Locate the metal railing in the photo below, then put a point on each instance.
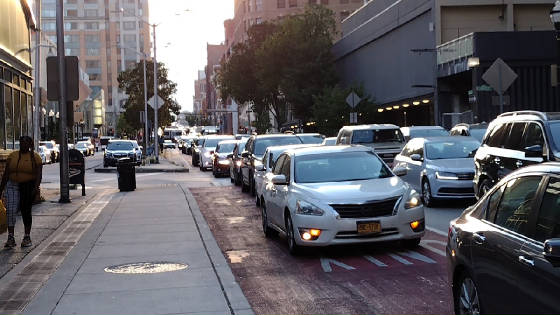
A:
(456, 49)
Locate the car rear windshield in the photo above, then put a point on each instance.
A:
(119, 146)
(377, 136)
(225, 148)
(478, 133)
(425, 133)
(555, 131)
(339, 167)
(311, 139)
(213, 142)
(262, 144)
(451, 149)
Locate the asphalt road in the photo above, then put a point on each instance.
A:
(380, 278)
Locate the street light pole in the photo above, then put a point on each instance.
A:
(37, 96)
(145, 110)
(156, 105)
(64, 176)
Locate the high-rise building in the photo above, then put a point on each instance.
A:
(108, 36)
(199, 92)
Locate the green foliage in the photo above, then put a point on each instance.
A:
(124, 128)
(331, 111)
(131, 82)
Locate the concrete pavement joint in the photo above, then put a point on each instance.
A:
(228, 291)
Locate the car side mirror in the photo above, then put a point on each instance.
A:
(279, 180)
(259, 168)
(245, 154)
(400, 171)
(416, 157)
(230, 156)
(534, 151)
(552, 251)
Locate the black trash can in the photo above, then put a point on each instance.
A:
(126, 173)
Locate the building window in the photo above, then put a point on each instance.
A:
(8, 117)
(129, 38)
(94, 76)
(71, 1)
(258, 20)
(259, 5)
(92, 38)
(92, 51)
(129, 25)
(48, 13)
(292, 3)
(90, 1)
(90, 12)
(92, 25)
(71, 13)
(17, 117)
(49, 26)
(68, 26)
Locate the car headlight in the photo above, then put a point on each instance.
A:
(306, 208)
(223, 162)
(108, 154)
(207, 154)
(413, 200)
(238, 163)
(446, 176)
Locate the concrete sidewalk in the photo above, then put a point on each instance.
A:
(152, 224)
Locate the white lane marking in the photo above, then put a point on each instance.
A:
(425, 244)
(440, 232)
(326, 264)
(417, 256)
(377, 262)
(400, 259)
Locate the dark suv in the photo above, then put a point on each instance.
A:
(514, 140)
(503, 253)
(254, 152)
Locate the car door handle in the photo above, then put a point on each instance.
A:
(479, 238)
(518, 163)
(526, 261)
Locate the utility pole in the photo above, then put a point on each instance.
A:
(63, 136)
(156, 105)
(37, 96)
(145, 109)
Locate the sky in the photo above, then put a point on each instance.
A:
(181, 39)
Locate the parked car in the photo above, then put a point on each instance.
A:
(208, 149)
(236, 161)
(503, 253)
(118, 149)
(137, 151)
(254, 152)
(423, 132)
(515, 140)
(51, 145)
(195, 150)
(476, 131)
(439, 167)
(185, 144)
(311, 138)
(45, 154)
(386, 139)
(335, 195)
(220, 159)
(269, 159)
(82, 147)
(169, 144)
(329, 141)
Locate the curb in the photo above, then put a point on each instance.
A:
(145, 170)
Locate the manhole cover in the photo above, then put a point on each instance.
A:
(146, 267)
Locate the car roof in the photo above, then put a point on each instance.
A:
(448, 138)
(309, 134)
(228, 141)
(219, 136)
(529, 114)
(481, 125)
(276, 135)
(371, 126)
(328, 149)
(422, 127)
(282, 148)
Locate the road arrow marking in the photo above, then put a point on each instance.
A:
(417, 256)
(377, 262)
(400, 259)
(326, 264)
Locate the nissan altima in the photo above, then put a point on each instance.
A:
(322, 196)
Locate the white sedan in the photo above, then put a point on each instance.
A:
(333, 195)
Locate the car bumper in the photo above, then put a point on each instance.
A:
(205, 162)
(221, 168)
(112, 161)
(344, 231)
(451, 189)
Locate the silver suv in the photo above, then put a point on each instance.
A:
(387, 140)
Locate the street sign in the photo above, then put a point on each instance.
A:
(499, 76)
(354, 118)
(353, 99)
(152, 101)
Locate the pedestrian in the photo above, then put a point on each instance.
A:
(21, 180)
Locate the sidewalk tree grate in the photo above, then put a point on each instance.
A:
(146, 267)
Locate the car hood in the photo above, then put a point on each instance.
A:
(384, 145)
(120, 152)
(465, 165)
(355, 191)
(208, 149)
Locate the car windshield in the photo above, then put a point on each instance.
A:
(119, 146)
(81, 145)
(425, 133)
(311, 139)
(377, 136)
(213, 142)
(49, 145)
(478, 133)
(339, 167)
(225, 148)
(451, 149)
(262, 144)
(555, 131)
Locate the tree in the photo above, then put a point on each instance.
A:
(124, 128)
(131, 82)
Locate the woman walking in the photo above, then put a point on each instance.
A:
(21, 180)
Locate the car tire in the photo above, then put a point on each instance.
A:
(268, 232)
(253, 188)
(427, 193)
(411, 243)
(293, 247)
(465, 296)
(484, 187)
(244, 188)
(257, 201)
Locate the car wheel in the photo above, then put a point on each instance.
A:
(257, 201)
(253, 188)
(214, 173)
(485, 186)
(231, 179)
(244, 188)
(293, 247)
(268, 232)
(465, 296)
(427, 193)
(411, 243)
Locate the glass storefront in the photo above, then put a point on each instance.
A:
(16, 105)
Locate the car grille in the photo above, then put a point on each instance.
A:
(120, 155)
(380, 208)
(354, 234)
(465, 176)
(456, 191)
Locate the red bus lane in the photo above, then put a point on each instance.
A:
(365, 279)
